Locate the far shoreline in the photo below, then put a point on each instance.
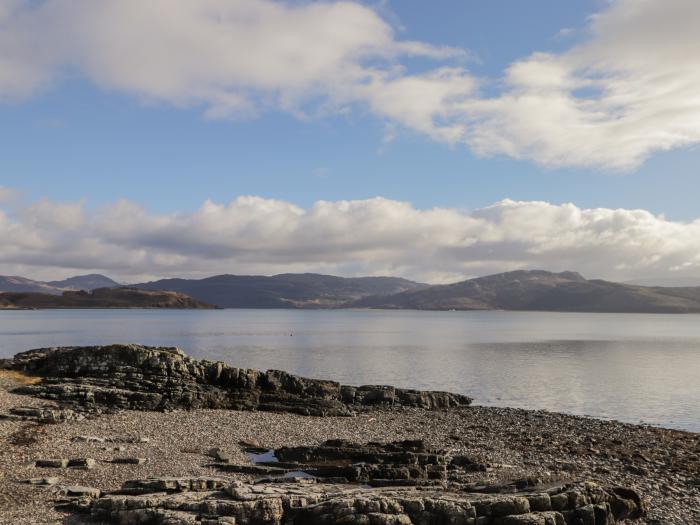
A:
(339, 309)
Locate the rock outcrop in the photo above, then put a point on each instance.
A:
(95, 378)
(402, 463)
(305, 502)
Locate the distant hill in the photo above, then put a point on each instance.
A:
(541, 290)
(22, 284)
(79, 282)
(85, 282)
(307, 290)
(673, 282)
(101, 298)
(518, 290)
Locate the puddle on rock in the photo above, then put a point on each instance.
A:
(267, 458)
(299, 474)
(262, 457)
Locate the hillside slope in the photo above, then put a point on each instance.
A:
(85, 282)
(14, 283)
(306, 290)
(76, 283)
(541, 290)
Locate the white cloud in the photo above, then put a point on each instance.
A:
(7, 194)
(228, 56)
(629, 89)
(374, 236)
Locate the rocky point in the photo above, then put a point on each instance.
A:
(157, 378)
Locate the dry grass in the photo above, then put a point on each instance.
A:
(19, 377)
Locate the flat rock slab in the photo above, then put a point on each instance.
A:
(83, 463)
(129, 461)
(51, 463)
(44, 414)
(78, 491)
(43, 481)
(155, 485)
(79, 463)
(401, 462)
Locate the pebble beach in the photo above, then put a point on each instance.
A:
(663, 465)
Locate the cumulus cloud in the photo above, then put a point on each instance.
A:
(629, 89)
(228, 56)
(362, 237)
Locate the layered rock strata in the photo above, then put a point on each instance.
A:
(304, 502)
(158, 378)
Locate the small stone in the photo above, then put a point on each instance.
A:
(88, 439)
(42, 481)
(129, 461)
(131, 439)
(219, 455)
(82, 463)
(126, 439)
(51, 463)
(78, 491)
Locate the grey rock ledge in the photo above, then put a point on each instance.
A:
(95, 378)
(211, 501)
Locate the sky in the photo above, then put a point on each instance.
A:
(431, 140)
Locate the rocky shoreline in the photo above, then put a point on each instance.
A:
(128, 434)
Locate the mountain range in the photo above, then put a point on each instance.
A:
(518, 290)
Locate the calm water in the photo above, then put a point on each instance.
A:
(628, 367)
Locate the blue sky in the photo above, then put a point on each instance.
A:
(447, 104)
(76, 140)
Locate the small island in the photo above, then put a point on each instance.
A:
(100, 298)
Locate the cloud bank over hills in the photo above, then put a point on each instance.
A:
(624, 90)
(255, 235)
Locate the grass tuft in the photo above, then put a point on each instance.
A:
(20, 377)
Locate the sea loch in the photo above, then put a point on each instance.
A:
(629, 367)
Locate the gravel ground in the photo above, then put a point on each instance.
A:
(664, 465)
